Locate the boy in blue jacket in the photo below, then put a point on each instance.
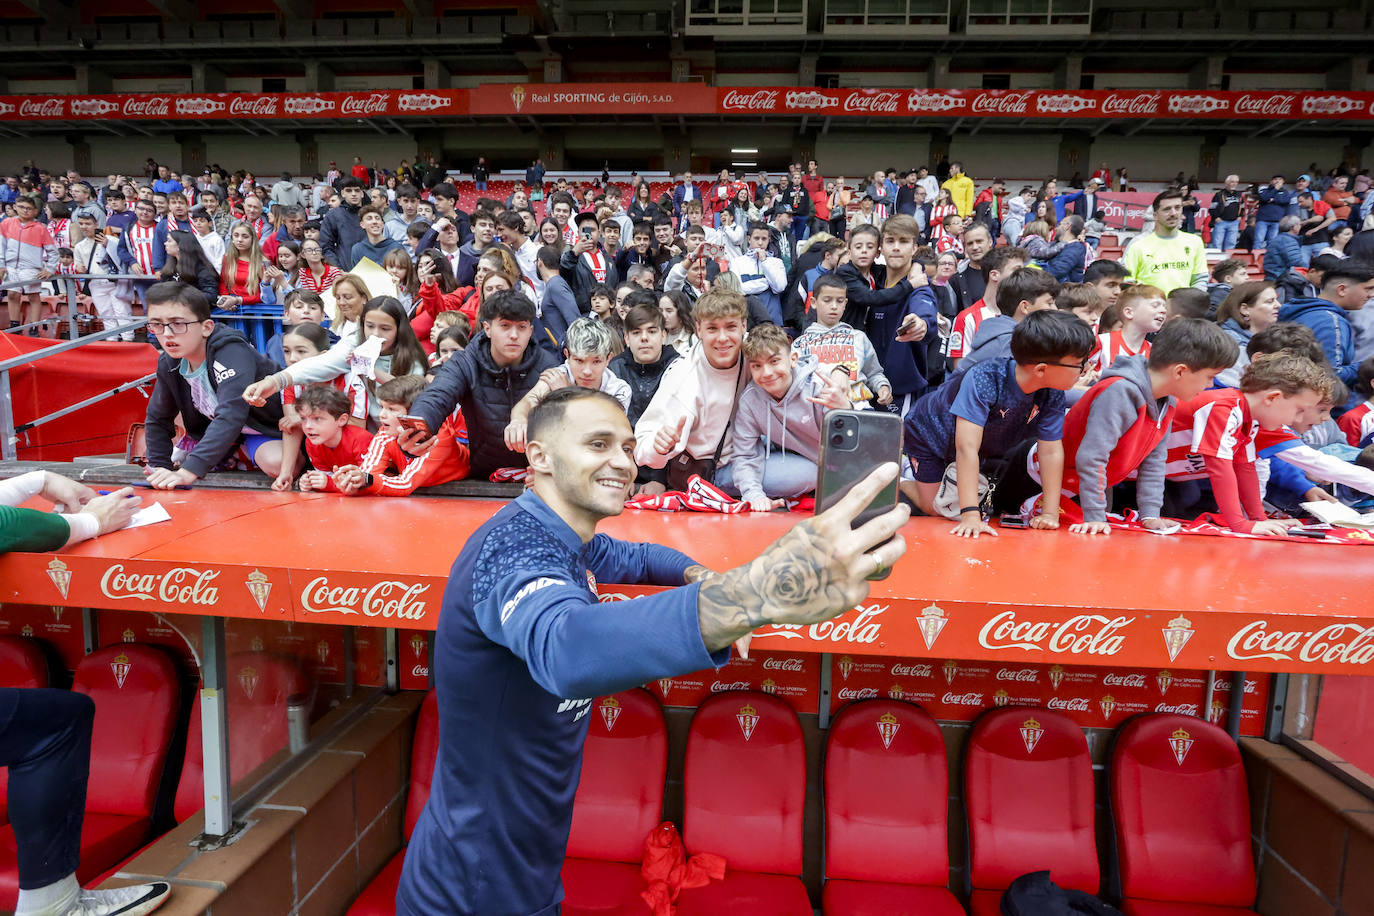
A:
(1344, 289)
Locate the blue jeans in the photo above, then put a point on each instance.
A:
(45, 740)
(1310, 251)
(801, 228)
(1264, 232)
(786, 475)
(481, 185)
(1224, 234)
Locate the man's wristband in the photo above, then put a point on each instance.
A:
(971, 509)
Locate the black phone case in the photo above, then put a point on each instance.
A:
(877, 440)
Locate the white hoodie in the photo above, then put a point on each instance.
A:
(691, 387)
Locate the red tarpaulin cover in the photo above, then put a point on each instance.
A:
(60, 381)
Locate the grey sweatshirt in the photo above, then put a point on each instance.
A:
(794, 424)
(993, 340)
(1111, 415)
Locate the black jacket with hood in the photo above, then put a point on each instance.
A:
(339, 232)
(231, 366)
(487, 393)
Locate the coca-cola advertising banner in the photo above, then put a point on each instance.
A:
(694, 99)
(1047, 103)
(381, 103)
(791, 676)
(957, 690)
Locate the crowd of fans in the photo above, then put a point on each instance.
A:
(1035, 377)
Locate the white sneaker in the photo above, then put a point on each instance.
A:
(135, 900)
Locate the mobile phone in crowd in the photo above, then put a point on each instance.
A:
(853, 444)
(413, 422)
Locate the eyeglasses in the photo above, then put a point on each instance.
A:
(1079, 367)
(175, 326)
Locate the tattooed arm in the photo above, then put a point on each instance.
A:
(814, 572)
(696, 573)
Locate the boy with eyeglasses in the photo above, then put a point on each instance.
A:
(201, 375)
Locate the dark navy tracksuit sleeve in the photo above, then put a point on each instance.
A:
(577, 647)
(635, 563)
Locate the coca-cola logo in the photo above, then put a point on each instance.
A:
(389, 598)
(1135, 103)
(373, 103)
(1274, 104)
(809, 100)
(872, 102)
(758, 100)
(900, 670)
(42, 108)
(1123, 680)
(153, 106)
(852, 693)
(919, 101)
(1063, 103)
(1084, 634)
(1002, 103)
(1330, 104)
(962, 699)
(782, 664)
(862, 628)
(1180, 709)
(261, 106)
(1068, 704)
(1339, 643)
(1020, 675)
(1224, 686)
(724, 686)
(420, 671)
(178, 585)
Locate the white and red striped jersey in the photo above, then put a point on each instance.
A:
(446, 461)
(1215, 424)
(61, 232)
(569, 233)
(596, 261)
(1358, 423)
(140, 241)
(1109, 347)
(966, 327)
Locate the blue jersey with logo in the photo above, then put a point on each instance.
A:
(522, 648)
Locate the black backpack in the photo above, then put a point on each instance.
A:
(1036, 895)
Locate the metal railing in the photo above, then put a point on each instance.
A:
(9, 433)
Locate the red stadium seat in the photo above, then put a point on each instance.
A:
(1110, 239)
(886, 848)
(744, 782)
(259, 685)
(1182, 819)
(1028, 790)
(619, 802)
(135, 692)
(379, 897)
(21, 665)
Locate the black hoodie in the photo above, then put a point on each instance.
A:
(487, 393)
(339, 232)
(231, 365)
(643, 378)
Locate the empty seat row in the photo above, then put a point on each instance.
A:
(137, 697)
(1178, 798)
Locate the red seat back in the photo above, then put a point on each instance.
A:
(886, 795)
(1028, 791)
(1181, 812)
(135, 692)
(22, 663)
(745, 783)
(423, 752)
(258, 687)
(620, 796)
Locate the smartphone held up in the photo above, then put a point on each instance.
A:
(853, 444)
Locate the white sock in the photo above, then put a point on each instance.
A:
(51, 900)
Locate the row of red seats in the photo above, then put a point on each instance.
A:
(1178, 800)
(137, 698)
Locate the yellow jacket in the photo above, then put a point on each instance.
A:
(961, 189)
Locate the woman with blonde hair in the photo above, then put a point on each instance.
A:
(241, 274)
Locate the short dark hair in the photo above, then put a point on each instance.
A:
(638, 296)
(325, 398)
(548, 413)
(173, 292)
(403, 389)
(309, 330)
(1186, 302)
(406, 190)
(1228, 266)
(349, 182)
(1166, 194)
(509, 219)
(1025, 284)
(512, 305)
(828, 281)
(1364, 379)
(1048, 336)
(444, 190)
(548, 257)
(997, 258)
(601, 290)
(1287, 335)
(1349, 273)
(1105, 269)
(640, 314)
(486, 215)
(1194, 342)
